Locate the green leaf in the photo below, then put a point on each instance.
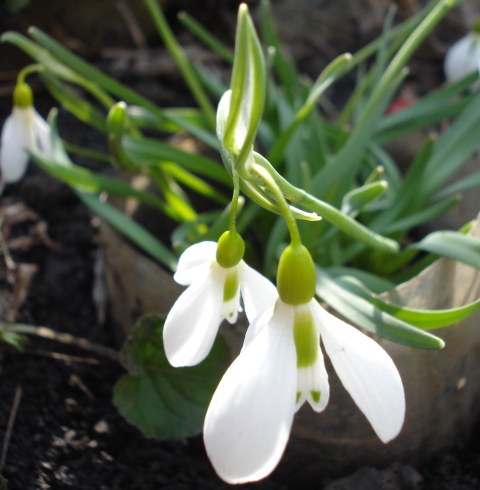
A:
(131, 229)
(74, 103)
(150, 152)
(12, 339)
(163, 401)
(425, 319)
(364, 314)
(456, 246)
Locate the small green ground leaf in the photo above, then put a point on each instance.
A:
(3, 483)
(12, 339)
(163, 401)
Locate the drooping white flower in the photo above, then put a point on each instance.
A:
(213, 295)
(462, 58)
(248, 422)
(281, 366)
(23, 129)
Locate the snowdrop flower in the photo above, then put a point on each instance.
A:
(217, 276)
(462, 58)
(281, 366)
(23, 129)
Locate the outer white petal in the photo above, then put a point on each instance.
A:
(258, 324)
(258, 292)
(367, 373)
(250, 416)
(462, 58)
(192, 323)
(17, 134)
(195, 262)
(43, 133)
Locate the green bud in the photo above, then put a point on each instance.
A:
(116, 118)
(296, 276)
(305, 337)
(230, 250)
(22, 96)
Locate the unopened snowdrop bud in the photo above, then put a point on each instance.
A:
(23, 129)
(116, 118)
(463, 57)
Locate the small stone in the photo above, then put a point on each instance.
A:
(101, 427)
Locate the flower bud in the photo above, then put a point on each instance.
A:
(230, 250)
(116, 118)
(296, 275)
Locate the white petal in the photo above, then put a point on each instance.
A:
(17, 134)
(258, 292)
(259, 323)
(367, 373)
(192, 323)
(462, 58)
(248, 422)
(194, 263)
(43, 133)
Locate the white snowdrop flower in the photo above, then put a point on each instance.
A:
(281, 366)
(23, 129)
(216, 276)
(462, 58)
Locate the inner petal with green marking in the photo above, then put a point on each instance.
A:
(231, 295)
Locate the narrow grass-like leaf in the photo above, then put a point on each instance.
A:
(150, 152)
(454, 245)
(206, 37)
(362, 313)
(424, 319)
(131, 229)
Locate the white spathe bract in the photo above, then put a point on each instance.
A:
(462, 58)
(23, 129)
(192, 323)
(250, 416)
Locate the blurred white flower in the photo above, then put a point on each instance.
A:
(23, 129)
(214, 295)
(462, 58)
(248, 422)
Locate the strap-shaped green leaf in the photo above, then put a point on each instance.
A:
(367, 316)
(454, 245)
(425, 319)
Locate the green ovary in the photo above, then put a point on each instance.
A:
(22, 96)
(305, 337)
(231, 285)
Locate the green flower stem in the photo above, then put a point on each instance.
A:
(181, 60)
(346, 223)
(233, 208)
(36, 67)
(284, 207)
